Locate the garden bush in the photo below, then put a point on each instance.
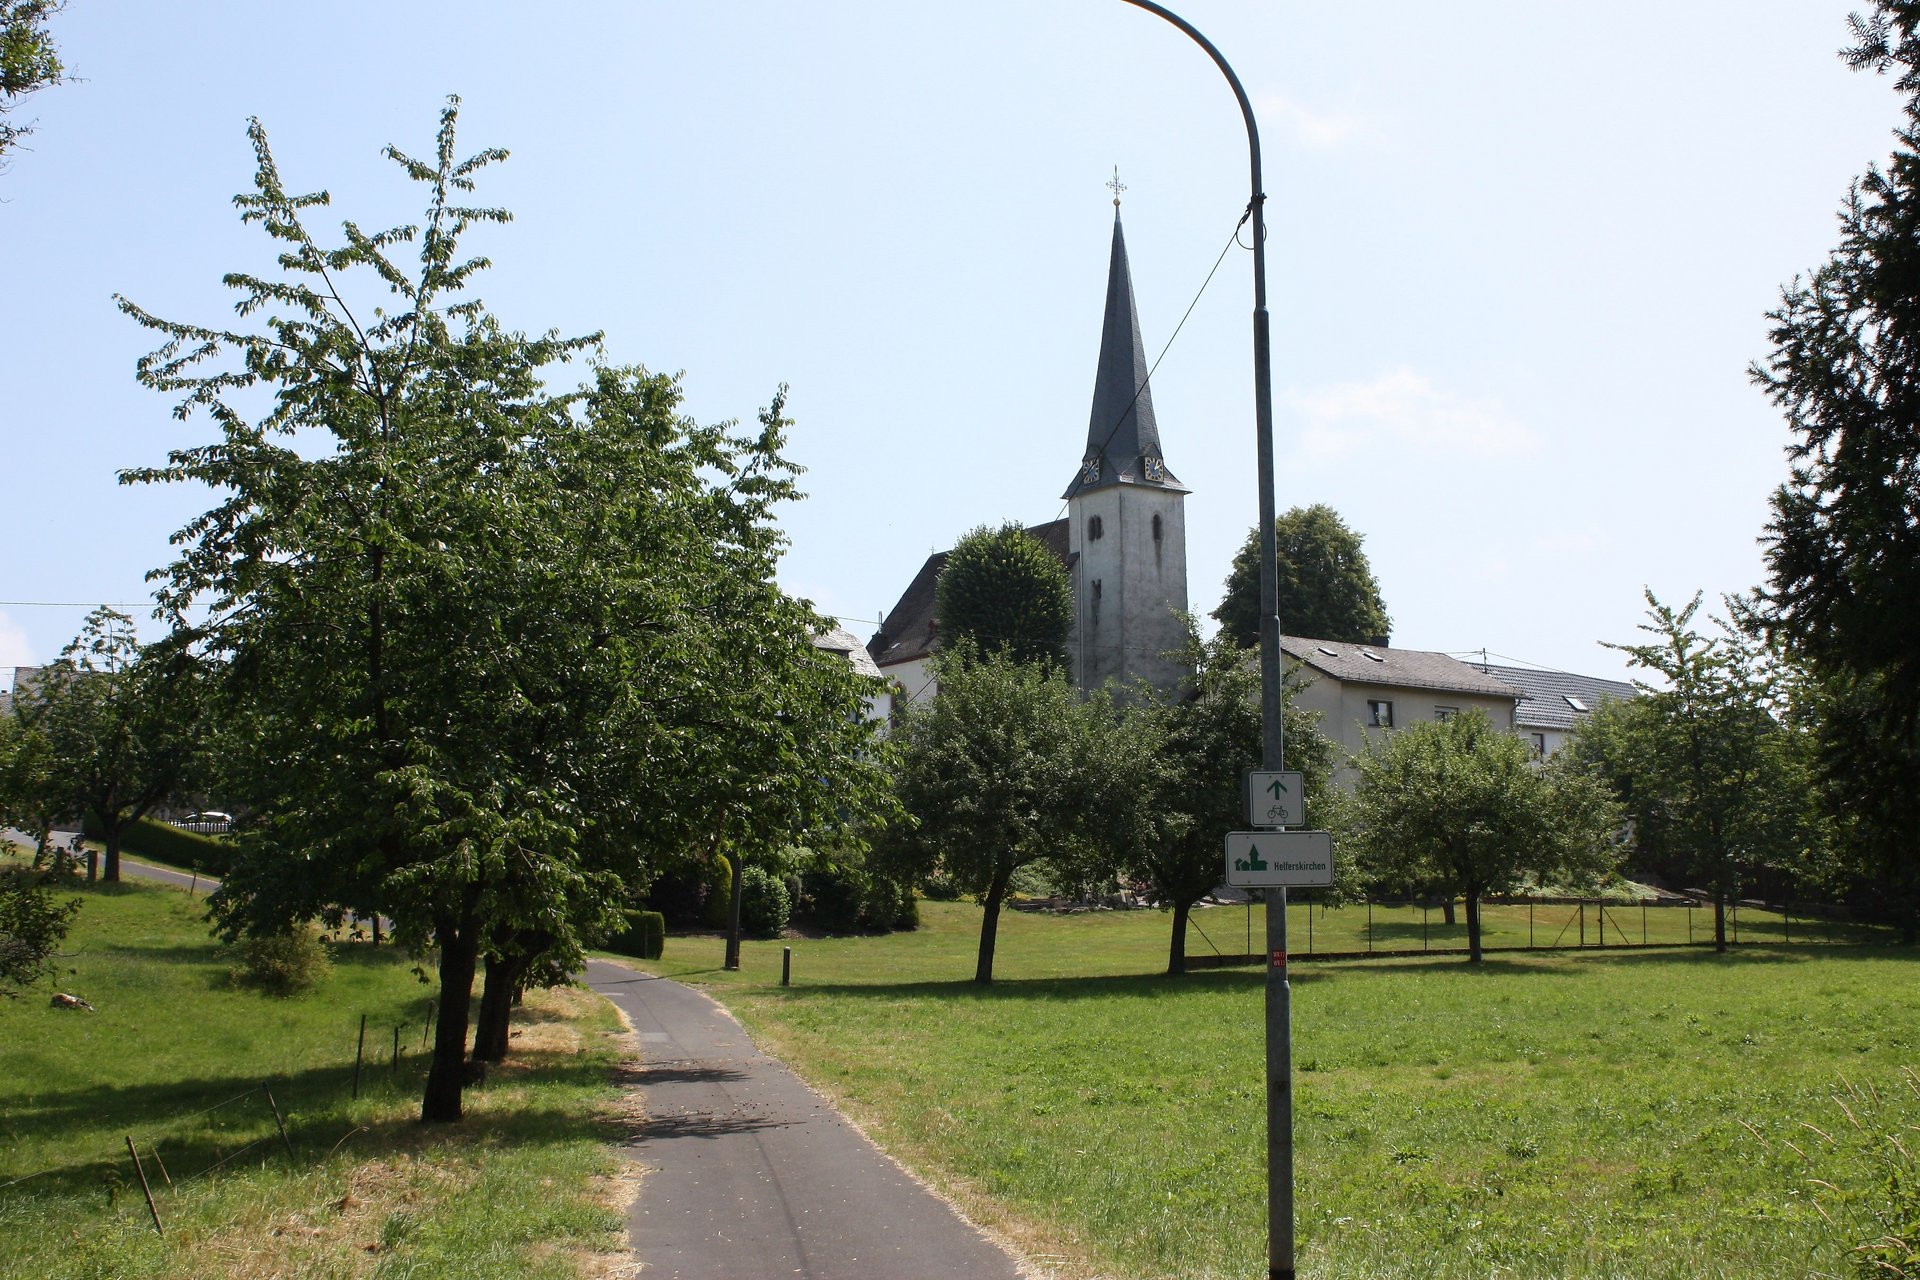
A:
(645, 936)
(719, 891)
(765, 906)
(282, 964)
(845, 897)
(164, 842)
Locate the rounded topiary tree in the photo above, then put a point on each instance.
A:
(1005, 591)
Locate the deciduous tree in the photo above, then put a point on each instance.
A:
(1716, 783)
(1327, 588)
(119, 721)
(489, 647)
(1174, 767)
(1002, 589)
(28, 61)
(1459, 807)
(995, 774)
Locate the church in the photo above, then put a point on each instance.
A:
(1123, 541)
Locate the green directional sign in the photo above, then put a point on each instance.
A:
(1276, 798)
(1279, 859)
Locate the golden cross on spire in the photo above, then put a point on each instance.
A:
(1116, 186)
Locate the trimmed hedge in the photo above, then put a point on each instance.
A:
(164, 842)
(645, 936)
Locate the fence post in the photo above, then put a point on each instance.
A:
(393, 1067)
(1309, 928)
(786, 966)
(1529, 922)
(359, 1052)
(1643, 922)
(1369, 925)
(1583, 923)
(1786, 922)
(144, 1188)
(155, 1148)
(278, 1122)
(1423, 926)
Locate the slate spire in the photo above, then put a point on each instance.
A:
(1123, 440)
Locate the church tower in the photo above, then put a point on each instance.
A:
(1126, 516)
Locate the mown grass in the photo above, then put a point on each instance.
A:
(368, 1191)
(1623, 1114)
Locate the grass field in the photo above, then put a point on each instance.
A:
(367, 1191)
(1607, 1114)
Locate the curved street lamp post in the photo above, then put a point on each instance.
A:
(1272, 746)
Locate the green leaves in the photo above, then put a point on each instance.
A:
(1461, 808)
(1003, 590)
(1327, 588)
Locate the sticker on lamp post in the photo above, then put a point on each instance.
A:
(1279, 859)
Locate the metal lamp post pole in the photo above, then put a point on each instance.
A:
(1272, 737)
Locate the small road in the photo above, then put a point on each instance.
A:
(128, 867)
(753, 1176)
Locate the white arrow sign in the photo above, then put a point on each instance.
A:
(1279, 859)
(1276, 798)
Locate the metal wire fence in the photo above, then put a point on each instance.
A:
(1402, 928)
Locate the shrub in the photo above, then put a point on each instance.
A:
(645, 936)
(764, 904)
(846, 897)
(164, 842)
(281, 964)
(719, 891)
(32, 924)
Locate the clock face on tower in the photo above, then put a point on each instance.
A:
(1155, 468)
(1090, 471)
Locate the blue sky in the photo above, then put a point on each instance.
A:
(1519, 263)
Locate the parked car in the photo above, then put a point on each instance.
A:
(209, 822)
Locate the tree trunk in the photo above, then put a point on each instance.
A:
(1177, 947)
(989, 927)
(459, 957)
(491, 1029)
(1719, 921)
(1446, 909)
(1474, 954)
(733, 912)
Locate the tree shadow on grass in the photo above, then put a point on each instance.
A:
(1099, 987)
(207, 1124)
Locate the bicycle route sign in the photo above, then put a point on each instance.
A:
(1276, 798)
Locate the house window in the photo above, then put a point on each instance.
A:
(1539, 745)
(1094, 529)
(1445, 713)
(1574, 702)
(1379, 714)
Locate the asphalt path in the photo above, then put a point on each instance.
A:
(128, 867)
(750, 1175)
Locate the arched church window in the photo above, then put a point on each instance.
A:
(1094, 529)
(1156, 526)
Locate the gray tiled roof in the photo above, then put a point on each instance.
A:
(1544, 704)
(909, 631)
(843, 642)
(1404, 668)
(1121, 431)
